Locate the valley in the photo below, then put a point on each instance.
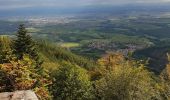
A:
(94, 37)
(85, 49)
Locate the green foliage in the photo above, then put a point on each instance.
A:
(125, 80)
(24, 44)
(71, 83)
(165, 80)
(22, 75)
(20, 72)
(116, 78)
(52, 53)
(5, 49)
(156, 55)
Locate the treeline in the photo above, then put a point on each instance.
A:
(58, 54)
(24, 65)
(20, 66)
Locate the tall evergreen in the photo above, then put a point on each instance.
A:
(25, 45)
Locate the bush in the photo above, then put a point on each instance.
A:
(71, 83)
(22, 75)
(125, 80)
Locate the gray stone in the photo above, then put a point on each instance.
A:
(18, 95)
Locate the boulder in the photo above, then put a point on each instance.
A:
(18, 95)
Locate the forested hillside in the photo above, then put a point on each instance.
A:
(55, 73)
(85, 49)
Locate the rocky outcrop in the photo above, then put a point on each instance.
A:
(18, 95)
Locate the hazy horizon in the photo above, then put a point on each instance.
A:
(13, 8)
(15, 4)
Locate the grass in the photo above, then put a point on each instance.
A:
(33, 30)
(69, 45)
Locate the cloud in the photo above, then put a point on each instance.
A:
(11, 4)
(129, 1)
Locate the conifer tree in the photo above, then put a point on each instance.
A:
(25, 45)
(23, 42)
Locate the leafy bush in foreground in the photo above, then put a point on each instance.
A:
(71, 83)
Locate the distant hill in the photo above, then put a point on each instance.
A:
(86, 10)
(157, 57)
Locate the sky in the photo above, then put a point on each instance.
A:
(13, 4)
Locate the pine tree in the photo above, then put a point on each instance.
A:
(25, 45)
(23, 42)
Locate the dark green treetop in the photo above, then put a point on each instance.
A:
(24, 44)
